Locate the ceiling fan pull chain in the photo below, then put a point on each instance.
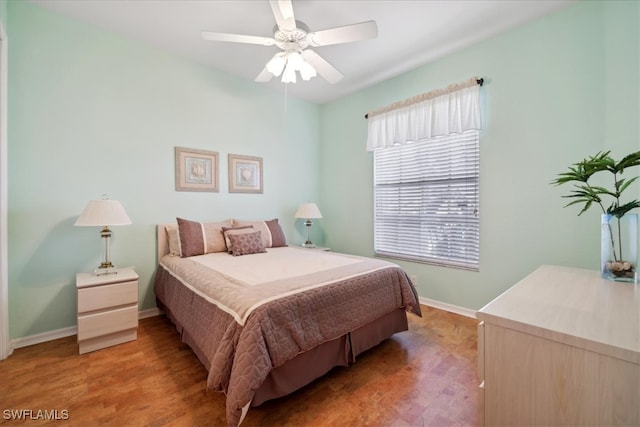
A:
(286, 86)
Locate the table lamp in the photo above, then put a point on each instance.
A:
(308, 211)
(104, 213)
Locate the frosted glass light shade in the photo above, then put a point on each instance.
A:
(289, 75)
(294, 60)
(307, 71)
(276, 64)
(308, 211)
(287, 63)
(102, 213)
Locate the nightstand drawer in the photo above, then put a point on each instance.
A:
(107, 296)
(97, 324)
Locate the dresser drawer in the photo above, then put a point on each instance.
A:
(107, 296)
(106, 322)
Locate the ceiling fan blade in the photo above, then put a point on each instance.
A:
(283, 12)
(264, 76)
(326, 70)
(346, 34)
(237, 38)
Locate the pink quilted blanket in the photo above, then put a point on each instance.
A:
(241, 331)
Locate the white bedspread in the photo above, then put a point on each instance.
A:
(239, 285)
(275, 264)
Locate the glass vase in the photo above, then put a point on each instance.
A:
(619, 247)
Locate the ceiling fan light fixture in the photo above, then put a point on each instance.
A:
(294, 60)
(289, 75)
(307, 71)
(276, 64)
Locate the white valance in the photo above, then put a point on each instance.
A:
(443, 112)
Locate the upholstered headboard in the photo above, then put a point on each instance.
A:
(163, 240)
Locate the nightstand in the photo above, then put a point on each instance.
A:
(107, 309)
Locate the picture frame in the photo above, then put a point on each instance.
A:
(245, 174)
(196, 170)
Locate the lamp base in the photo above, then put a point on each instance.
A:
(308, 244)
(105, 268)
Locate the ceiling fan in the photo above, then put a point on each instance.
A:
(295, 39)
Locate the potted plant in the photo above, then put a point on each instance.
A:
(619, 238)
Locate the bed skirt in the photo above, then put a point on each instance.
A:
(296, 372)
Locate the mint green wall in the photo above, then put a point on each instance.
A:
(557, 90)
(3, 12)
(90, 113)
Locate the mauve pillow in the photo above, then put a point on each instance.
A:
(199, 238)
(246, 243)
(277, 235)
(191, 238)
(228, 231)
(272, 235)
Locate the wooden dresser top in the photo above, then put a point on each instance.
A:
(574, 306)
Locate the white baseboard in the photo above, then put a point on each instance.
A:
(65, 332)
(149, 313)
(43, 337)
(73, 330)
(463, 311)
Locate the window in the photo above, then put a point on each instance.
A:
(426, 197)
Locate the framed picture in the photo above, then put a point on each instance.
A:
(245, 174)
(196, 170)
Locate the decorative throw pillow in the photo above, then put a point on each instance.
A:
(246, 243)
(272, 235)
(199, 238)
(174, 239)
(229, 231)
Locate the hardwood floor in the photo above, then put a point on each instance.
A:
(423, 377)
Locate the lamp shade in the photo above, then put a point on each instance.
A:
(102, 213)
(308, 210)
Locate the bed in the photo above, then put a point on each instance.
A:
(268, 321)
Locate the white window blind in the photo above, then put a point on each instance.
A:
(426, 197)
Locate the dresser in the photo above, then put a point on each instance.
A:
(561, 347)
(107, 309)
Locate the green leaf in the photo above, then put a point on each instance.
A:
(584, 209)
(602, 190)
(573, 175)
(628, 161)
(626, 184)
(586, 195)
(621, 210)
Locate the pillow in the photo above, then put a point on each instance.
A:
(272, 235)
(229, 231)
(246, 243)
(199, 238)
(173, 239)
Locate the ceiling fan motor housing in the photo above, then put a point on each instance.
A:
(294, 40)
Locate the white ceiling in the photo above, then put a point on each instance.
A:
(410, 33)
